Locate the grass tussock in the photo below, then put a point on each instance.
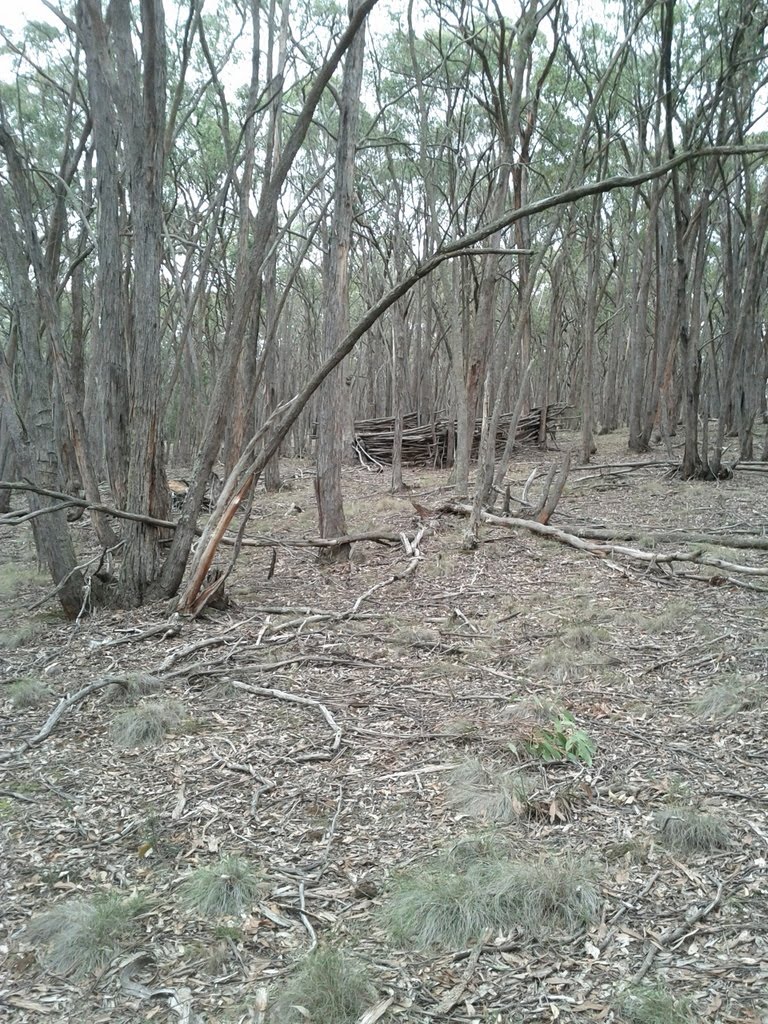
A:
(654, 1005)
(732, 693)
(329, 986)
(147, 724)
(448, 908)
(129, 688)
(673, 616)
(12, 638)
(82, 936)
(689, 830)
(224, 889)
(479, 792)
(13, 576)
(27, 693)
(584, 636)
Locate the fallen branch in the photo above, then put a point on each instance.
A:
(165, 629)
(70, 500)
(292, 698)
(747, 542)
(693, 916)
(411, 548)
(64, 705)
(609, 550)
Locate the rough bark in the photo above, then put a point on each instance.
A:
(331, 414)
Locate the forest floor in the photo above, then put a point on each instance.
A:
(352, 759)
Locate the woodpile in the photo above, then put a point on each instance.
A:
(431, 444)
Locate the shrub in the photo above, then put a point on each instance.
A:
(226, 888)
(82, 936)
(147, 724)
(561, 739)
(329, 987)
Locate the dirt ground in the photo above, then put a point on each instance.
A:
(332, 795)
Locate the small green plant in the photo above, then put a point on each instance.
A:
(329, 987)
(82, 936)
(27, 693)
(226, 888)
(147, 724)
(654, 1004)
(689, 830)
(561, 739)
(496, 796)
(450, 905)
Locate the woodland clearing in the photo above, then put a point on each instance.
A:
(329, 726)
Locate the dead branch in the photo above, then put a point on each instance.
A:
(747, 542)
(693, 916)
(411, 548)
(17, 518)
(64, 705)
(70, 500)
(165, 629)
(553, 490)
(610, 550)
(292, 698)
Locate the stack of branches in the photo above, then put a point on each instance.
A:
(430, 444)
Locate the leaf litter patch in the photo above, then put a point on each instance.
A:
(329, 832)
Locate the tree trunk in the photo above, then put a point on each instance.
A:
(330, 421)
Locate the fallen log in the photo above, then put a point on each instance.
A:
(608, 550)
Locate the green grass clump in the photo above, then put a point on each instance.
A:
(450, 908)
(689, 830)
(147, 724)
(496, 796)
(27, 693)
(654, 1005)
(84, 935)
(224, 889)
(329, 987)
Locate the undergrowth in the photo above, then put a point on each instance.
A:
(223, 889)
(329, 987)
(447, 907)
(27, 693)
(82, 936)
(127, 689)
(147, 724)
(732, 693)
(689, 830)
(654, 1004)
(496, 796)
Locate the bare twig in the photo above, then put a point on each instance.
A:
(64, 705)
(292, 698)
(693, 916)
